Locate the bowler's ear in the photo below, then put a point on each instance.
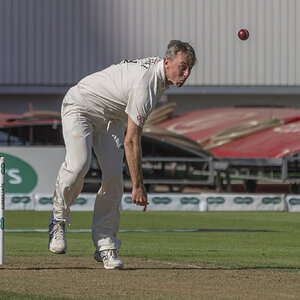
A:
(166, 61)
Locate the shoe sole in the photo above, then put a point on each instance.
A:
(57, 252)
(113, 268)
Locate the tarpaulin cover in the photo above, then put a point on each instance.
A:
(278, 141)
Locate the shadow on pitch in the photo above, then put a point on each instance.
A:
(209, 269)
(170, 268)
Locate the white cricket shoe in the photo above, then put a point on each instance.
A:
(57, 239)
(109, 258)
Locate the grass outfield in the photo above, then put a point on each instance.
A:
(229, 239)
(228, 255)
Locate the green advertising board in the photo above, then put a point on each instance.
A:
(20, 177)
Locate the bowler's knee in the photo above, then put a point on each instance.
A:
(74, 170)
(80, 168)
(112, 175)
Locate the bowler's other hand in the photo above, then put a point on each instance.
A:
(139, 197)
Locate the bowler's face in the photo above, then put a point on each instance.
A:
(178, 69)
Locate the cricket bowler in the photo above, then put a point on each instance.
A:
(93, 114)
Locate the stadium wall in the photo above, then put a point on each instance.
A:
(54, 43)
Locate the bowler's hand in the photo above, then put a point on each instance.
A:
(139, 197)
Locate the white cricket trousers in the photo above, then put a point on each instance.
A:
(83, 130)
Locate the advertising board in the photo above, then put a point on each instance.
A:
(31, 169)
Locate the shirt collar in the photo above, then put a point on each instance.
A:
(160, 73)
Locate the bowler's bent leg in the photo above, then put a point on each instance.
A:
(77, 131)
(78, 135)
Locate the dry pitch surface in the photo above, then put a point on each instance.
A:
(84, 278)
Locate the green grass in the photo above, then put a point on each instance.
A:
(20, 296)
(278, 249)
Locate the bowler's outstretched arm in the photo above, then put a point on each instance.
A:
(133, 152)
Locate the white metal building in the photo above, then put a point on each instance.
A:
(48, 45)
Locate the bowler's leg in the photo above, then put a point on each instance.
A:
(77, 131)
(106, 218)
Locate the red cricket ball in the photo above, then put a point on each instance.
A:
(243, 34)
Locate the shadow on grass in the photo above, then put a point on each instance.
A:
(211, 268)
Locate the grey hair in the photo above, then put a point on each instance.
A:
(176, 46)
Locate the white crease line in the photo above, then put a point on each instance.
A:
(174, 264)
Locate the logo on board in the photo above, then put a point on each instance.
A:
(20, 177)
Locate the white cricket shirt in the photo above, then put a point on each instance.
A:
(130, 88)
